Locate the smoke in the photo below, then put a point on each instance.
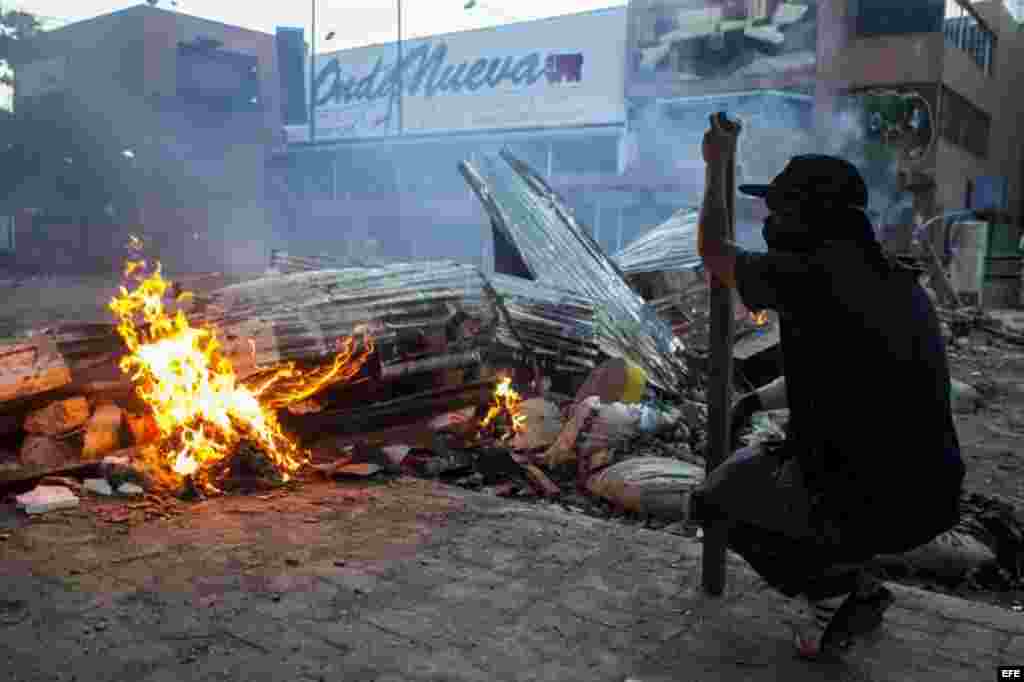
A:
(846, 136)
(777, 127)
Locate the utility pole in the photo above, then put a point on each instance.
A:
(312, 77)
(401, 85)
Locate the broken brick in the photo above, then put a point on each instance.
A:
(103, 431)
(58, 417)
(44, 451)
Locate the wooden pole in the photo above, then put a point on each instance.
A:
(719, 400)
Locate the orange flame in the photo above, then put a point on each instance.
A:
(760, 319)
(506, 400)
(202, 409)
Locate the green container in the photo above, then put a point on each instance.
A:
(1002, 241)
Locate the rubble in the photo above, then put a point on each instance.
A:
(595, 426)
(395, 455)
(98, 486)
(63, 482)
(543, 424)
(668, 247)
(45, 499)
(559, 252)
(357, 469)
(46, 452)
(103, 431)
(451, 419)
(30, 368)
(653, 486)
(616, 380)
(550, 326)
(58, 417)
(130, 490)
(540, 481)
(121, 464)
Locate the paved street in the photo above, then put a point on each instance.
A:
(415, 581)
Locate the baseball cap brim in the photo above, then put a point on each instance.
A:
(755, 190)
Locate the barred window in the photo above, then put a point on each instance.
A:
(898, 17)
(964, 124)
(964, 30)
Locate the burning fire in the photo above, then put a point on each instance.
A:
(203, 411)
(506, 401)
(760, 319)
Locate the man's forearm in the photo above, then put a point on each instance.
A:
(714, 212)
(713, 244)
(773, 395)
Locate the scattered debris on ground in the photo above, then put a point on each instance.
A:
(582, 387)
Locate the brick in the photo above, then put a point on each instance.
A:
(103, 432)
(58, 417)
(44, 451)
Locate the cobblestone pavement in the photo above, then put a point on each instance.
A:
(415, 581)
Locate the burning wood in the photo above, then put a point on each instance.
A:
(203, 411)
(504, 418)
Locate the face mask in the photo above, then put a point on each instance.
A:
(789, 233)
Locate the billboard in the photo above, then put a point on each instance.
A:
(680, 48)
(563, 71)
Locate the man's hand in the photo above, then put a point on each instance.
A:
(739, 418)
(719, 148)
(719, 145)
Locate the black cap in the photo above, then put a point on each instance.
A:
(817, 179)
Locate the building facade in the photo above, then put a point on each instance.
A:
(381, 177)
(173, 115)
(188, 128)
(964, 60)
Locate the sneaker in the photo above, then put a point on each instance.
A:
(860, 614)
(811, 625)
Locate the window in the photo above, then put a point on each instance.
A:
(888, 17)
(217, 79)
(6, 234)
(964, 124)
(964, 30)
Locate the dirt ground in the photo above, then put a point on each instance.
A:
(991, 437)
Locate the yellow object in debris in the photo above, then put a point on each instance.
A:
(636, 384)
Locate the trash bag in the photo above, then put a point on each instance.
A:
(656, 486)
(952, 555)
(596, 426)
(543, 424)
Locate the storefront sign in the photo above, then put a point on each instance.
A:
(553, 72)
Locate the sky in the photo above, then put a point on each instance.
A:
(354, 22)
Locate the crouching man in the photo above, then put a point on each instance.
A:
(871, 462)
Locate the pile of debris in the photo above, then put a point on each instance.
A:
(189, 391)
(582, 383)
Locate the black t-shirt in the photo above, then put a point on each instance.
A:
(867, 383)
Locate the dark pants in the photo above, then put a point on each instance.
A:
(762, 499)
